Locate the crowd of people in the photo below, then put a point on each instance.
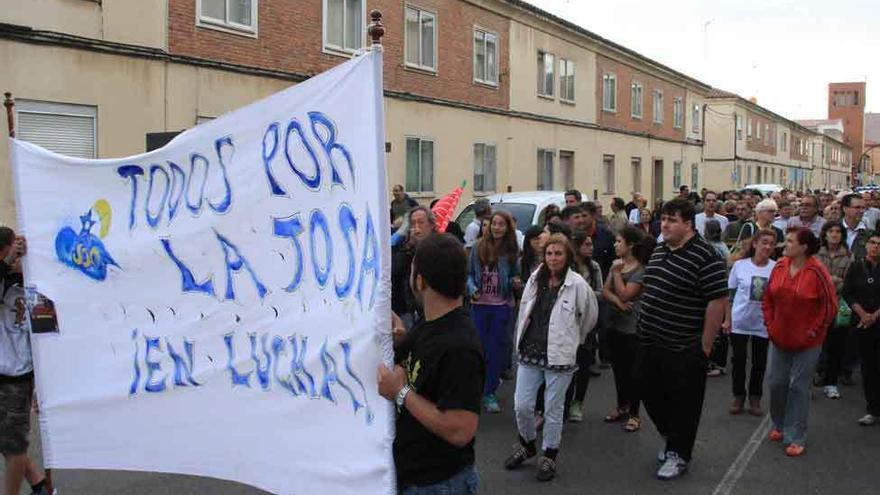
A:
(664, 297)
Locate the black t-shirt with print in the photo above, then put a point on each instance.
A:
(444, 362)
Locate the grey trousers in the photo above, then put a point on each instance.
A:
(789, 377)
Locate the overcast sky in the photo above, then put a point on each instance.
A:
(783, 52)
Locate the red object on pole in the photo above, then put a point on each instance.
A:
(9, 103)
(445, 207)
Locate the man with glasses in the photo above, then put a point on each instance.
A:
(857, 233)
(732, 234)
(808, 216)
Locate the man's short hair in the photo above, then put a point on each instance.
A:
(482, 208)
(570, 211)
(7, 237)
(848, 199)
(590, 208)
(442, 262)
(681, 207)
(574, 192)
(683, 188)
(430, 214)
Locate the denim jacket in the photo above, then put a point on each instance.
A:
(507, 270)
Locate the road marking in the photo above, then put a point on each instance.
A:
(738, 468)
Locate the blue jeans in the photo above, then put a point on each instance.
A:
(492, 325)
(465, 482)
(789, 377)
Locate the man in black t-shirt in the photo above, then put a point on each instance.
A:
(683, 305)
(438, 381)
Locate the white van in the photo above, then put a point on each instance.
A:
(525, 206)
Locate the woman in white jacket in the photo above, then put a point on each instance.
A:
(557, 311)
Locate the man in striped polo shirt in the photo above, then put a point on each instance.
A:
(683, 307)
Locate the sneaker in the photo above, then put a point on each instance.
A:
(775, 435)
(736, 406)
(661, 456)
(546, 469)
(576, 412)
(519, 456)
(715, 370)
(831, 392)
(795, 450)
(869, 420)
(491, 405)
(674, 467)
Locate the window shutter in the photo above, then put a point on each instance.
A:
(71, 135)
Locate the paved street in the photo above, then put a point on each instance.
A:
(601, 458)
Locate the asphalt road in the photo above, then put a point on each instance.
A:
(597, 458)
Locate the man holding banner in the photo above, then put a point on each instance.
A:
(438, 383)
(16, 371)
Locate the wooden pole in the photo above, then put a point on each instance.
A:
(9, 103)
(376, 30)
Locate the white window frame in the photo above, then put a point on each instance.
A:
(61, 109)
(545, 90)
(637, 95)
(541, 158)
(563, 74)
(422, 12)
(657, 106)
(749, 129)
(677, 112)
(341, 50)
(433, 142)
(695, 176)
(226, 25)
(486, 33)
(739, 127)
(676, 175)
(695, 115)
(635, 165)
(609, 100)
(784, 141)
(609, 181)
(484, 190)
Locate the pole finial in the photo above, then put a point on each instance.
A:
(376, 29)
(9, 103)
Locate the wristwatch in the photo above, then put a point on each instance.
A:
(401, 396)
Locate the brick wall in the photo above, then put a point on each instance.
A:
(768, 141)
(622, 118)
(853, 115)
(290, 37)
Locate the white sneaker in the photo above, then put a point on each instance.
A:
(831, 392)
(868, 420)
(673, 468)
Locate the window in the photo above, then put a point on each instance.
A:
(344, 24)
(545, 170)
(421, 39)
(419, 165)
(695, 116)
(658, 106)
(545, 74)
(636, 165)
(695, 176)
(677, 112)
(484, 167)
(485, 57)
(566, 169)
(566, 80)
(739, 127)
(240, 15)
(676, 175)
(758, 126)
(766, 134)
(784, 141)
(608, 171)
(749, 131)
(636, 100)
(609, 93)
(66, 129)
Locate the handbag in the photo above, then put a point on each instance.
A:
(844, 314)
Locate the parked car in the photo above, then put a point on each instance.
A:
(764, 189)
(525, 207)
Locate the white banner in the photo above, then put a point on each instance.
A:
(222, 303)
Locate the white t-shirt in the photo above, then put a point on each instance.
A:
(700, 222)
(750, 281)
(471, 232)
(634, 216)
